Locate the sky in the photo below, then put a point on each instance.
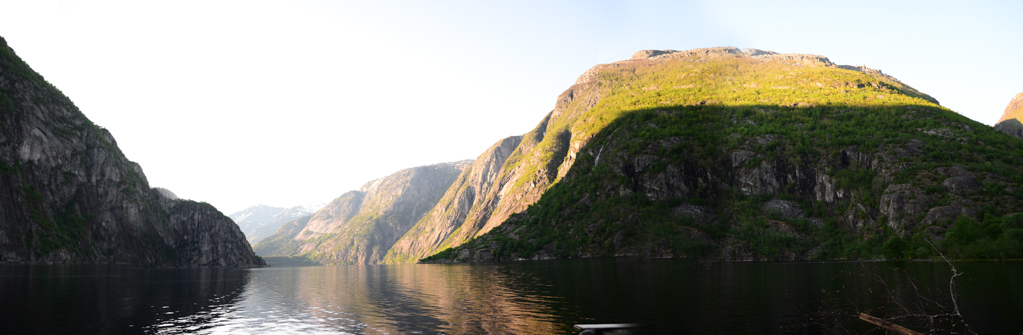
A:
(284, 103)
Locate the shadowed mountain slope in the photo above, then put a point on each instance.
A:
(69, 195)
(745, 155)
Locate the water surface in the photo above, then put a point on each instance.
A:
(546, 297)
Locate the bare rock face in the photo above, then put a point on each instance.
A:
(1014, 110)
(432, 233)
(330, 219)
(68, 194)
(698, 214)
(787, 209)
(202, 236)
(903, 204)
(1009, 123)
(1012, 127)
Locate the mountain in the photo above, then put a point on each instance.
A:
(254, 216)
(359, 227)
(1010, 121)
(69, 195)
(261, 221)
(447, 221)
(742, 154)
(271, 225)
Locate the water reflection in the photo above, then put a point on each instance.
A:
(400, 299)
(667, 296)
(108, 299)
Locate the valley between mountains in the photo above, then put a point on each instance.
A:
(721, 154)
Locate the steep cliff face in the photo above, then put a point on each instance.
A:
(1009, 123)
(449, 216)
(68, 194)
(202, 236)
(744, 155)
(361, 226)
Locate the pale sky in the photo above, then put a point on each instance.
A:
(239, 103)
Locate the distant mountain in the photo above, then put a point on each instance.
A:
(273, 223)
(254, 216)
(69, 195)
(359, 227)
(312, 207)
(261, 221)
(1010, 121)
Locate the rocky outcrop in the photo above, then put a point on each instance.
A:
(1011, 127)
(69, 195)
(1009, 123)
(1014, 110)
(202, 236)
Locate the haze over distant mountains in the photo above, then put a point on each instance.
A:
(261, 221)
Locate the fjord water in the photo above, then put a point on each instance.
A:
(545, 297)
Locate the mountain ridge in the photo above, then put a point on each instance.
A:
(650, 187)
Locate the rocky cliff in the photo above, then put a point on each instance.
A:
(1009, 123)
(68, 194)
(446, 222)
(742, 155)
(359, 227)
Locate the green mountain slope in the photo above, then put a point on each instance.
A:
(745, 155)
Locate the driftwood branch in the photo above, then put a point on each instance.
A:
(888, 325)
